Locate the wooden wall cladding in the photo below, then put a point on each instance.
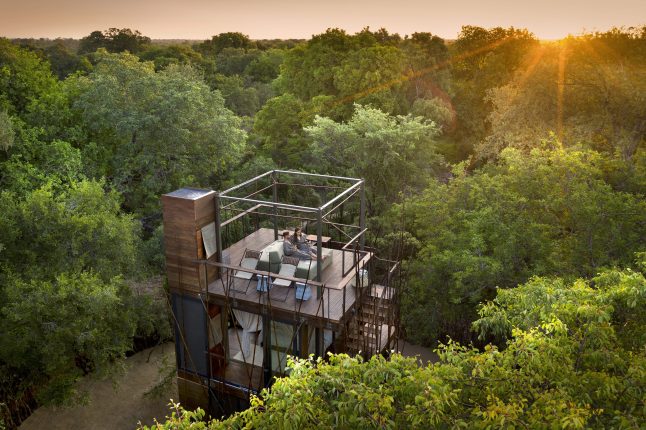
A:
(192, 394)
(185, 212)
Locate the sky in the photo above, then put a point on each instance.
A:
(300, 19)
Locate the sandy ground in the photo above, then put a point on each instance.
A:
(424, 354)
(111, 407)
(124, 406)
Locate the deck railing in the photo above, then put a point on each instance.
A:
(227, 279)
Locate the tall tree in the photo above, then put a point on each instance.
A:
(163, 130)
(392, 153)
(223, 41)
(577, 90)
(114, 40)
(484, 59)
(24, 77)
(549, 212)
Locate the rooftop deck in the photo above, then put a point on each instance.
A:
(329, 310)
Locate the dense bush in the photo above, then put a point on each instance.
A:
(549, 212)
(570, 361)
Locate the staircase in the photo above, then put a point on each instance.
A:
(373, 327)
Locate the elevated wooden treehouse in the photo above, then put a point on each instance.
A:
(241, 306)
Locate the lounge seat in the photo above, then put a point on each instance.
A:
(307, 269)
(272, 256)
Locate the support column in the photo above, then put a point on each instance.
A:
(362, 215)
(319, 248)
(218, 230)
(274, 190)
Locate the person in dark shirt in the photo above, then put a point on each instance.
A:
(291, 250)
(301, 242)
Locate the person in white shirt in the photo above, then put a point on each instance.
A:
(291, 250)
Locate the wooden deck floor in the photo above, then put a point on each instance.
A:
(329, 309)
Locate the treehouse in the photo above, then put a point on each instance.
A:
(241, 306)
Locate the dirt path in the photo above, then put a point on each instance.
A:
(115, 408)
(122, 407)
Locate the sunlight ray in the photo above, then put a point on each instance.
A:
(416, 74)
(531, 63)
(560, 91)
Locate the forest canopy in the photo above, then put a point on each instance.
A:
(507, 173)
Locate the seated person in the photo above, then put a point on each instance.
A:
(291, 250)
(301, 242)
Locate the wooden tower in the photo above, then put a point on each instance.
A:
(241, 307)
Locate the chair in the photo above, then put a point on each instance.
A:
(288, 269)
(249, 261)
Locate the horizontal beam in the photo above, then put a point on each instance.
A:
(355, 238)
(240, 215)
(348, 190)
(344, 200)
(293, 172)
(268, 214)
(272, 204)
(247, 196)
(245, 183)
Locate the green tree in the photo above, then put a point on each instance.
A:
(371, 76)
(77, 229)
(162, 130)
(114, 40)
(308, 70)
(426, 58)
(163, 56)
(63, 61)
(577, 90)
(222, 41)
(392, 153)
(242, 100)
(33, 162)
(65, 311)
(266, 67)
(56, 331)
(279, 124)
(483, 59)
(7, 134)
(546, 213)
(436, 110)
(92, 42)
(374, 68)
(24, 77)
(234, 61)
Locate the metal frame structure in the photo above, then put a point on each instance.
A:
(356, 186)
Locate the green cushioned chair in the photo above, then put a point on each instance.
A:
(271, 257)
(306, 269)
